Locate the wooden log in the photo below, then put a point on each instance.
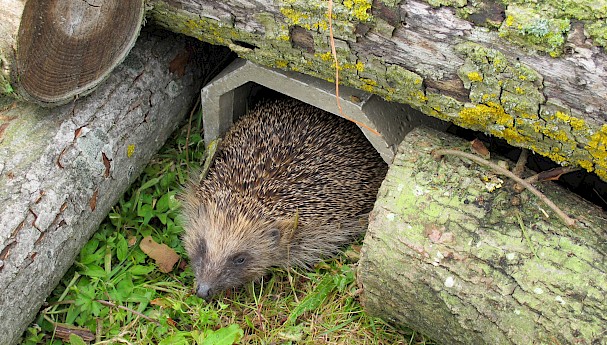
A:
(64, 48)
(62, 169)
(532, 73)
(452, 259)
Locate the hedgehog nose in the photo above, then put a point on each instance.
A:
(203, 291)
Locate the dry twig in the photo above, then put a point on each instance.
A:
(496, 168)
(187, 137)
(110, 304)
(520, 164)
(334, 53)
(550, 175)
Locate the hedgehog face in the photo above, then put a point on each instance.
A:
(227, 252)
(215, 274)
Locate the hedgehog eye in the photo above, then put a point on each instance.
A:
(239, 259)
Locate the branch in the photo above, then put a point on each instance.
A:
(110, 304)
(566, 219)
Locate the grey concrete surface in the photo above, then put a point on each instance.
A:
(225, 99)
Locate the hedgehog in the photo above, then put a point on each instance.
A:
(290, 185)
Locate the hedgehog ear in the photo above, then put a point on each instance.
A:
(275, 234)
(280, 229)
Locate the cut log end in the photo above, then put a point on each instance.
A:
(66, 48)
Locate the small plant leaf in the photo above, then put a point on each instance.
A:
(175, 339)
(314, 299)
(76, 340)
(147, 212)
(122, 248)
(163, 218)
(150, 183)
(163, 203)
(124, 288)
(223, 336)
(90, 247)
(140, 270)
(93, 270)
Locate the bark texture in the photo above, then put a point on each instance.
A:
(61, 170)
(532, 73)
(452, 259)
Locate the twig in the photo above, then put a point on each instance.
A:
(566, 219)
(599, 195)
(63, 331)
(110, 304)
(99, 330)
(522, 225)
(520, 164)
(187, 137)
(334, 53)
(552, 174)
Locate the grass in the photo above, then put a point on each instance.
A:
(114, 293)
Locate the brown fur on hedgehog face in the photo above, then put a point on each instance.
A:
(227, 251)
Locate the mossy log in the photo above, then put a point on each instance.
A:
(62, 169)
(453, 252)
(532, 73)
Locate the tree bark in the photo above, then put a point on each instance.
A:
(61, 170)
(465, 265)
(533, 73)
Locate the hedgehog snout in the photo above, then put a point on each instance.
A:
(203, 290)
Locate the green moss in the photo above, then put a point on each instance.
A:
(360, 67)
(360, 9)
(475, 76)
(5, 86)
(282, 64)
(578, 9)
(313, 15)
(273, 29)
(598, 32)
(528, 27)
(408, 85)
(576, 124)
(512, 108)
(485, 116)
(454, 3)
(514, 87)
(298, 18)
(598, 150)
(540, 25)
